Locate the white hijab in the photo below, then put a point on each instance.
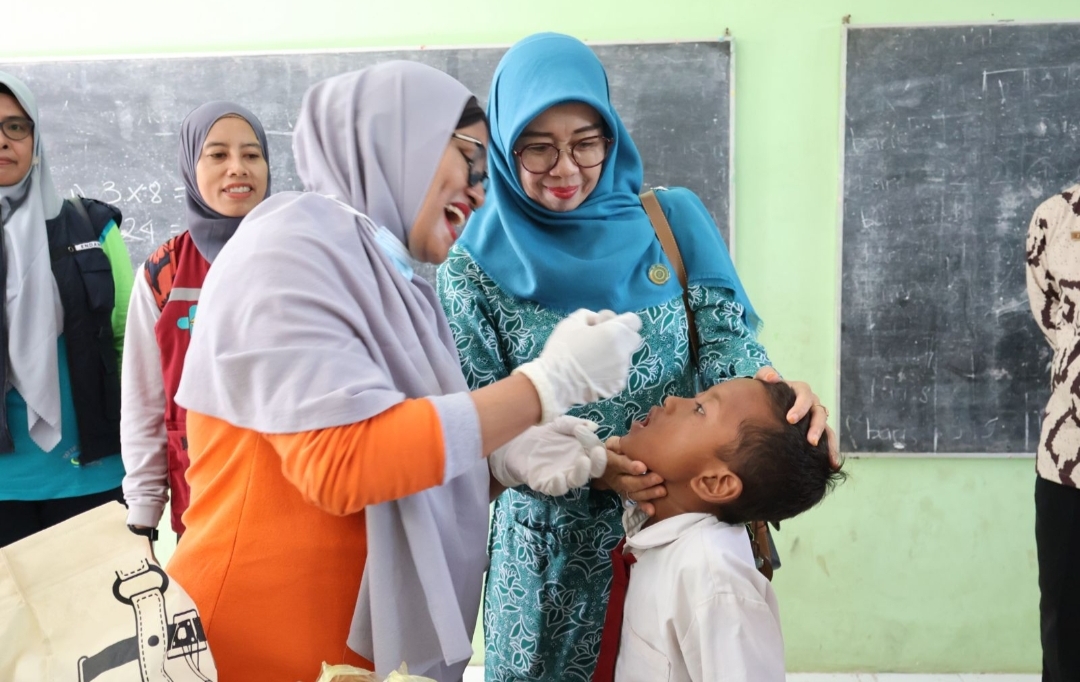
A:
(35, 317)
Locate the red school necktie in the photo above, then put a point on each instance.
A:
(612, 633)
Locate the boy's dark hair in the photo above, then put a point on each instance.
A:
(782, 474)
(5, 90)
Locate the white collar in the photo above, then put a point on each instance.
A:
(667, 531)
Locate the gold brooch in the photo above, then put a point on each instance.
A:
(659, 274)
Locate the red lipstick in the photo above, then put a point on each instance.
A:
(563, 193)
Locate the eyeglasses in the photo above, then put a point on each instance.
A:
(16, 128)
(540, 158)
(476, 177)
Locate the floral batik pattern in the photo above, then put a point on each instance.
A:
(547, 586)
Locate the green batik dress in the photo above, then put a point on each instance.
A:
(547, 587)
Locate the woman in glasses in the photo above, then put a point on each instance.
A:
(66, 278)
(564, 229)
(224, 160)
(339, 492)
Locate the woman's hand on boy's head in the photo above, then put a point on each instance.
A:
(806, 401)
(630, 479)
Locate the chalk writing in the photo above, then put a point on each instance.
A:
(952, 137)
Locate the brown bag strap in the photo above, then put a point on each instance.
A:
(671, 250)
(759, 543)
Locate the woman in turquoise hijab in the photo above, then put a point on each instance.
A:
(564, 229)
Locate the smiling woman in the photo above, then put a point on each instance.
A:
(560, 154)
(16, 141)
(565, 229)
(450, 201)
(224, 161)
(331, 430)
(62, 335)
(232, 173)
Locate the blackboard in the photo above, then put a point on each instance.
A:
(953, 135)
(110, 125)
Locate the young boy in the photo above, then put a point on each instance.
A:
(696, 608)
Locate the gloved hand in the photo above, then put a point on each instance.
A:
(551, 459)
(586, 358)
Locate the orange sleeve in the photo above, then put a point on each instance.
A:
(342, 469)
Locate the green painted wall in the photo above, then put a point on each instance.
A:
(913, 565)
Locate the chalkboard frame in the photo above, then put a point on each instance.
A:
(725, 40)
(846, 30)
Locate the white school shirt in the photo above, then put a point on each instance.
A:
(697, 610)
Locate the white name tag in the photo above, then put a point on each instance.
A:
(86, 246)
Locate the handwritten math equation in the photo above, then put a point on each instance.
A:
(143, 221)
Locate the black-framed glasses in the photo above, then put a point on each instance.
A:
(541, 157)
(16, 128)
(476, 177)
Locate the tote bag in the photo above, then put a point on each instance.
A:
(86, 601)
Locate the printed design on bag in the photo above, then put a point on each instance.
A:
(165, 650)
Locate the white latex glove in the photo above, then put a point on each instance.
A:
(586, 358)
(551, 459)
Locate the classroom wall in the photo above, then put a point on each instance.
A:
(914, 565)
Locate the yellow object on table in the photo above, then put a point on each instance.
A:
(350, 673)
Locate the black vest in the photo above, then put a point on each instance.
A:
(88, 294)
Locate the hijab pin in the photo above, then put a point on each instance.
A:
(659, 274)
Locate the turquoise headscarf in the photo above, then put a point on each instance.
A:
(598, 255)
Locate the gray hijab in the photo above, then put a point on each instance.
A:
(209, 229)
(332, 334)
(388, 138)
